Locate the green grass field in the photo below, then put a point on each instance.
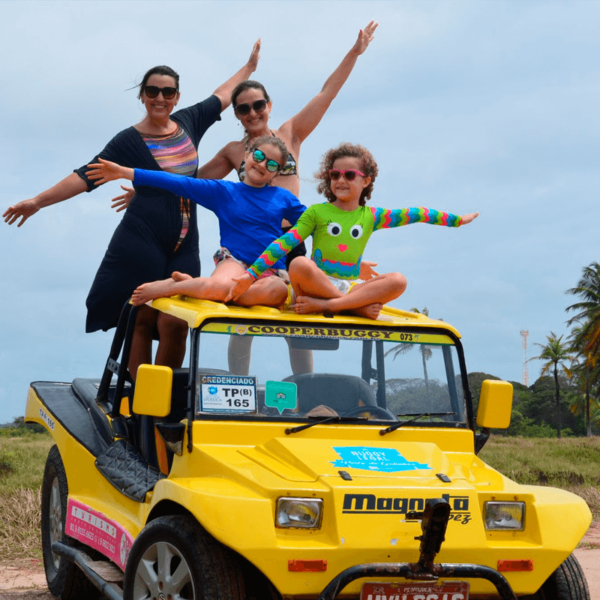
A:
(22, 460)
(572, 464)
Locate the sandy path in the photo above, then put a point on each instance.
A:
(25, 580)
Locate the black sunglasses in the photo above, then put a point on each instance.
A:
(244, 109)
(152, 91)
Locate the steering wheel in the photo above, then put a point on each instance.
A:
(373, 409)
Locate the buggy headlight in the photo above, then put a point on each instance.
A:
(299, 512)
(504, 516)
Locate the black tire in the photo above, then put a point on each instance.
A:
(566, 583)
(65, 580)
(206, 569)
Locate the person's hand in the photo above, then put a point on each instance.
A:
(122, 202)
(254, 56)
(104, 171)
(466, 219)
(364, 37)
(367, 271)
(241, 285)
(22, 210)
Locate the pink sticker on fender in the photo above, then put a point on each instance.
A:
(97, 531)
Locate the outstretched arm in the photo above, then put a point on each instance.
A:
(385, 218)
(223, 92)
(302, 124)
(70, 186)
(201, 191)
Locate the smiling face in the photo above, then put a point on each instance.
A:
(160, 108)
(256, 173)
(348, 193)
(255, 123)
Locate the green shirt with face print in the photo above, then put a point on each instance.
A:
(340, 236)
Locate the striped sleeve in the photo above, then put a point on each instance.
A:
(282, 245)
(385, 218)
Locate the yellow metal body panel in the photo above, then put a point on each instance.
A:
(195, 312)
(237, 470)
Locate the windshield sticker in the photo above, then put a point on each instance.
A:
(98, 531)
(227, 394)
(330, 332)
(386, 460)
(281, 395)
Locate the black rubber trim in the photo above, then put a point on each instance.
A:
(71, 413)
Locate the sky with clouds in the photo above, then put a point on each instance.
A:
(485, 106)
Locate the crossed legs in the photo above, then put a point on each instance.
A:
(315, 292)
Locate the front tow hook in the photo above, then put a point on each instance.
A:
(434, 521)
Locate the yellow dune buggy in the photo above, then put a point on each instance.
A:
(353, 475)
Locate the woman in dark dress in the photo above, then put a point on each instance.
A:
(158, 234)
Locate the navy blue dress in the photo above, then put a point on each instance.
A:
(142, 247)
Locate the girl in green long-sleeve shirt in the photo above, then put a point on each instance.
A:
(341, 228)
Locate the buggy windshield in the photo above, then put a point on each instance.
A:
(288, 371)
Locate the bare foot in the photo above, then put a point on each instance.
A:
(307, 304)
(177, 276)
(150, 291)
(371, 311)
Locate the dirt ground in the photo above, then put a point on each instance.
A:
(26, 581)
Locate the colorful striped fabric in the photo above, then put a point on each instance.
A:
(276, 251)
(175, 153)
(340, 237)
(386, 218)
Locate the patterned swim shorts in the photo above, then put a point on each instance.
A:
(223, 254)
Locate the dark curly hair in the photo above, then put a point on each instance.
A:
(160, 70)
(368, 167)
(249, 84)
(272, 140)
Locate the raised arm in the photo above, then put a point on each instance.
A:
(301, 125)
(223, 92)
(70, 186)
(219, 166)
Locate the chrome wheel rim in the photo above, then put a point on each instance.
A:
(164, 574)
(55, 520)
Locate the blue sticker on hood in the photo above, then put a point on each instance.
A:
(387, 460)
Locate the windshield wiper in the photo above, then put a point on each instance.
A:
(321, 421)
(416, 417)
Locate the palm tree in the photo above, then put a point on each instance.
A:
(426, 350)
(588, 290)
(585, 372)
(555, 354)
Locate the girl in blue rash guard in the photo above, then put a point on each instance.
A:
(249, 213)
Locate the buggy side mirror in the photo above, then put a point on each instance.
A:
(153, 387)
(495, 404)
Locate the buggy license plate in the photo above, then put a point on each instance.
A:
(450, 590)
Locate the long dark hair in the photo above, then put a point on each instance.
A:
(160, 70)
(249, 84)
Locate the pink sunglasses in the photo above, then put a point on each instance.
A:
(348, 174)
